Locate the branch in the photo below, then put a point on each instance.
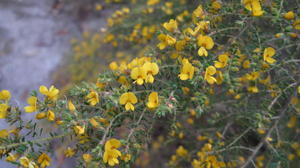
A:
(281, 114)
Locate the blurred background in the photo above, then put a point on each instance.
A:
(35, 41)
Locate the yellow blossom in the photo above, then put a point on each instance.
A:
(44, 160)
(292, 122)
(222, 61)
(129, 99)
(209, 72)
(254, 6)
(153, 100)
(171, 26)
(126, 157)
(181, 151)
(93, 98)
(216, 5)
(113, 66)
(151, 70)
(71, 106)
(69, 152)
(11, 157)
(5, 95)
(50, 115)
(51, 93)
(268, 54)
(40, 115)
(4, 133)
(289, 15)
(187, 70)
(25, 162)
(79, 130)
(111, 152)
(3, 110)
(32, 101)
(87, 157)
(205, 43)
(152, 2)
(139, 75)
(297, 24)
(165, 40)
(199, 12)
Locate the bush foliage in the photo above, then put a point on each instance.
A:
(202, 84)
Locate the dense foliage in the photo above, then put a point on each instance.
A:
(194, 84)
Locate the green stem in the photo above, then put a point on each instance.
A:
(33, 141)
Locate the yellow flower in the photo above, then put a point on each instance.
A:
(205, 43)
(139, 75)
(93, 98)
(51, 93)
(253, 89)
(297, 24)
(4, 133)
(299, 89)
(11, 157)
(5, 95)
(129, 99)
(25, 162)
(40, 115)
(181, 151)
(151, 70)
(199, 12)
(246, 64)
(87, 157)
(113, 66)
(187, 70)
(3, 110)
(44, 160)
(253, 6)
(50, 115)
(289, 15)
(152, 2)
(126, 157)
(111, 153)
(268, 54)
(32, 101)
(153, 100)
(165, 40)
(209, 72)
(71, 106)
(216, 5)
(171, 26)
(222, 61)
(69, 152)
(79, 130)
(292, 122)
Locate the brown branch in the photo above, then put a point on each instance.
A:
(281, 114)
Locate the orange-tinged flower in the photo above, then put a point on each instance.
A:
(129, 99)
